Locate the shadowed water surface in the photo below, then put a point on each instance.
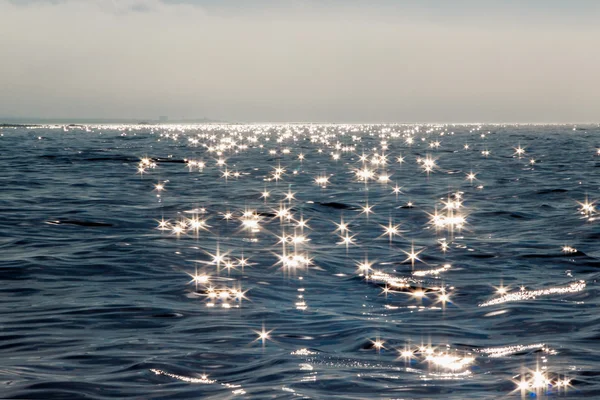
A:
(451, 286)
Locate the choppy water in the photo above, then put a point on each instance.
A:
(99, 303)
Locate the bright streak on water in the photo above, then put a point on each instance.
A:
(522, 295)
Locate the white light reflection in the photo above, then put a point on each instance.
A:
(523, 295)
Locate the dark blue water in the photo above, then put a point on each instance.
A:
(99, 303)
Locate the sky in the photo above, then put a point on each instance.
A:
(302, 60)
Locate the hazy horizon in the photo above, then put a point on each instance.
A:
(331, 61)
(192, 121)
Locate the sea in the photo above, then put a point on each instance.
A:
(300, 261)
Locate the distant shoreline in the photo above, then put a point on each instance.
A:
(18, 122)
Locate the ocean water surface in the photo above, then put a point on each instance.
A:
(300, 261)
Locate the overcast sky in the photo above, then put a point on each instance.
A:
(322, 61)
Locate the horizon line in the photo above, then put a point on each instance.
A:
(204, 120)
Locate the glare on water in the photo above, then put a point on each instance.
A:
(330, 250)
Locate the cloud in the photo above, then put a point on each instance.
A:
(302, 61)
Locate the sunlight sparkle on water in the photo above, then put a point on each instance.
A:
(389, 186)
